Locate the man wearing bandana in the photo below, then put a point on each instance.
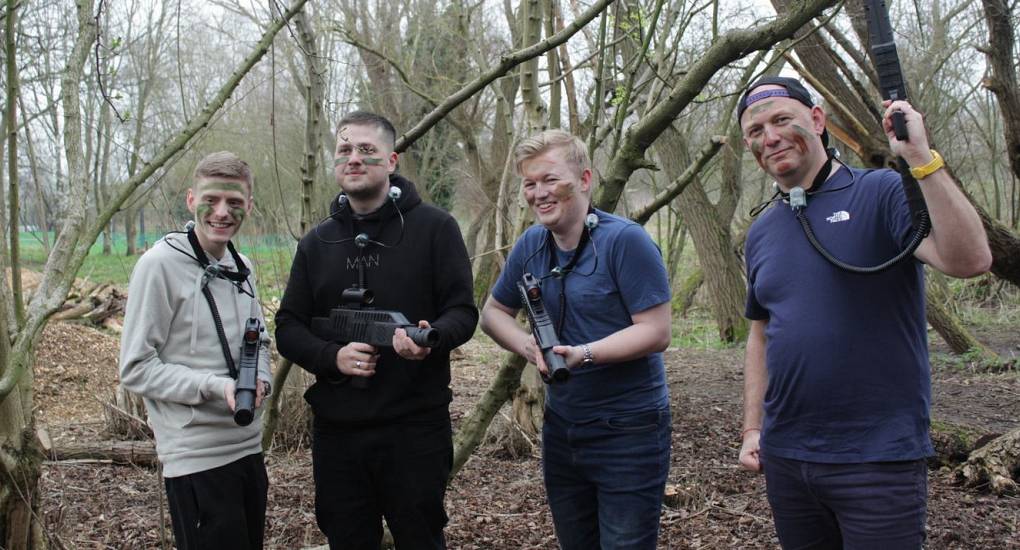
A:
(837, 381)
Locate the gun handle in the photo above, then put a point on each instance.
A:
(244, 407)
(899, 123)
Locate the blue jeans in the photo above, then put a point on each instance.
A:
(876, 505)
(605, 478)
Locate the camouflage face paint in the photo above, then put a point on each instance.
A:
(217, 185)
(801, 138)
(563, 191)
(202, 211)
(238, 214)
(341, 160)
(756, 148)
(760, 107)
(372, 161)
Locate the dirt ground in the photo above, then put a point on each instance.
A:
(496, 502)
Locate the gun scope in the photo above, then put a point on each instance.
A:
(357, 296)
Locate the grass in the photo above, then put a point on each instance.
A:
(271, 255)
(698, 331)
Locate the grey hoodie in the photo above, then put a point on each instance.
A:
(171, 355)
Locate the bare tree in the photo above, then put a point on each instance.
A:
(20, 456)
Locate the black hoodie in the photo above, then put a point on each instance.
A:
(419, 267)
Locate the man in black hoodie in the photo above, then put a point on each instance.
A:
(381, 438)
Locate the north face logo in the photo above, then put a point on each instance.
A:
(840, 216)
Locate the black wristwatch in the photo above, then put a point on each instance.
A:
(588, 359)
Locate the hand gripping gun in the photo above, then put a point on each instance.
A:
(247, 373)
(542, 328)
(892, 87)
(355, 321)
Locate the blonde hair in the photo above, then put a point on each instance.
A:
(575, 151)
(224, 164)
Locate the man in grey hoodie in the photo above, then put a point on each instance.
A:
(188, 301)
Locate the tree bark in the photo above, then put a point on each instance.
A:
(711, 237)
(995, 465)
(948, 325)
(20, 525)
(729, 47)
(1002, 78)
(131, 453)
(476, 423)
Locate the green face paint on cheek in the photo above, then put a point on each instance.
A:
(341, 160)
(202, 211)
(756, 148)
(372, 161)
(238, 214)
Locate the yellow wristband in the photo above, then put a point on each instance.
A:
(921, 172)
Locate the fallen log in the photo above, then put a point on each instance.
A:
(137, 453)
(995, 465)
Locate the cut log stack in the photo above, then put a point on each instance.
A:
(100, 304)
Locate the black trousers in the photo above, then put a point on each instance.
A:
(396, 471)
(220, 509)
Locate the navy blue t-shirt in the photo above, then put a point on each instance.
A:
(602, 294)
(847, 355)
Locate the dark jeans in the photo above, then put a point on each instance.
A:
(874, 506)
(396, 471)
(220, 509)
(605, 479)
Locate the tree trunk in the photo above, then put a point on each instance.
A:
(1001, 80)
(476, 423)
(711, 237)
(20, 467)
(131, 231)
(19, 457)
(688, 290)
(287, 419)
(947, 324)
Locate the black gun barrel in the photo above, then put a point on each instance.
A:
(247, 374)
(542, 328)
(887, 61)
(374, 327)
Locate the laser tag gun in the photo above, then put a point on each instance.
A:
(354, 321)
(543, 329)
(887, 61)
(247, 373)
(892, 87)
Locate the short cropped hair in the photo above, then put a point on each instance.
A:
(575, 151)
(366, 118)
(225, 164)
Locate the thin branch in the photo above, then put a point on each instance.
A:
(507, 62)
(681, 182)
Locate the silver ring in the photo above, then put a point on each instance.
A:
(357, 364)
